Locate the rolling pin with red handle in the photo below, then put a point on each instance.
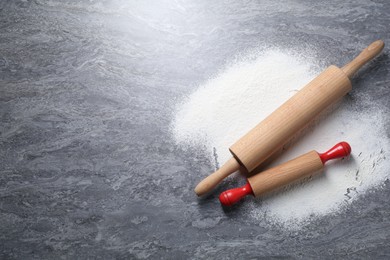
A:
(278, 128)
(284, 174)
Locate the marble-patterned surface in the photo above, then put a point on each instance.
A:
(88, 168)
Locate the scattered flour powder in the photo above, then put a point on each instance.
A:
(223, 109)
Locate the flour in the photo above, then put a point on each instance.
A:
(219, 112)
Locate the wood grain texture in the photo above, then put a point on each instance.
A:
(274, 131)
(215, 178)
(365, 56)
(286, 173)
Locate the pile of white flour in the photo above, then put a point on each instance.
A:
(223, 109)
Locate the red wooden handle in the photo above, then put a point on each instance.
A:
(340, 150)
(230, 197)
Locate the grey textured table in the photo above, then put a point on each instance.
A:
(88, 168)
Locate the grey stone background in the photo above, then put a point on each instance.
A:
(88, 168)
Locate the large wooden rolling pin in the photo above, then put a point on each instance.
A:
(284, 174)
(275, 130)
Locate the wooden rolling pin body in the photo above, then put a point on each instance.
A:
(281, 175)
(279, 127)
(274, 131)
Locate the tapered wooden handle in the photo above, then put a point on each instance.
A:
(215, 178)
(365, 56)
